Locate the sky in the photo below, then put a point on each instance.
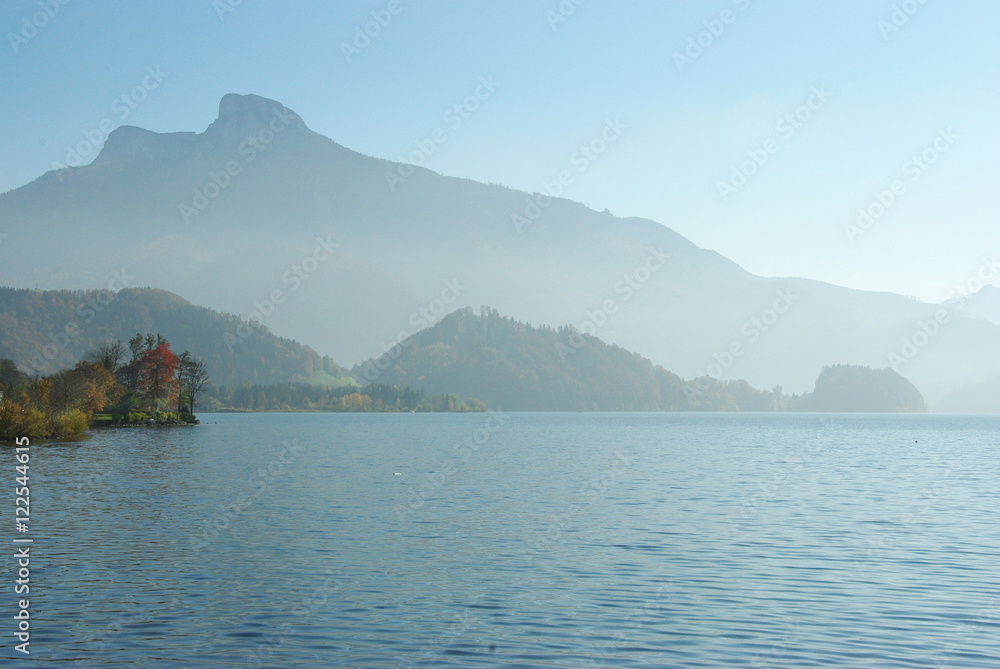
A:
(853, 142)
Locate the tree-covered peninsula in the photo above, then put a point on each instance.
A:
(115, 384)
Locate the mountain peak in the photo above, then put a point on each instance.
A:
(240, 116)
(243, 115)
(234, 103)
(128, 142)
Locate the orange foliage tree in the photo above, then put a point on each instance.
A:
(157, 376)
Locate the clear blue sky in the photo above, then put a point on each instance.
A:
(889, 95)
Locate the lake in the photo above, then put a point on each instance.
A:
(562, 540)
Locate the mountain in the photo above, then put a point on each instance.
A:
(517, 367)
(864, 390)
(44, 331)
(260, 215)
(982, 397)
(985, 304)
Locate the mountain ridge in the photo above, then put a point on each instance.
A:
(519, 367)
(44, 331)
(398, 247)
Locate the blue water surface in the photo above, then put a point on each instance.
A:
(520, 540)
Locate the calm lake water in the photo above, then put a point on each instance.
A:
(563, 540)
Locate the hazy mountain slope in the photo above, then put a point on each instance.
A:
(983, 304)
(515, 366)
(982, 397)
(863, 389)
(43, 331)
(269, 226)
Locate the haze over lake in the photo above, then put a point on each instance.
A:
(548, 333)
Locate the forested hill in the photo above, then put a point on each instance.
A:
(863, 389)
(43, 331)
(514, 366)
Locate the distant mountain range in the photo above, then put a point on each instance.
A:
(983, 397)
(260, 216)
(506, 363)
(513, 365)
(984, 304)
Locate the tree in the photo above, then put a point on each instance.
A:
(156, 380)
(110, 355)
(58, 405)
(192, 376)
(10, 376)
(93, 387)
(150, 375)
(137, 345)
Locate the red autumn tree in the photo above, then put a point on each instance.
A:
(157, 371)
